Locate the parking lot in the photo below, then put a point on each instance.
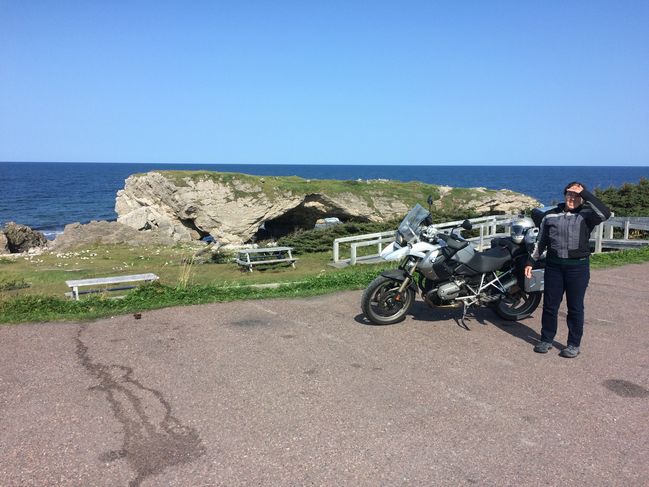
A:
(305, 392)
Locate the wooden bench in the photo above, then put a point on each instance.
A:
(106, 281)
(265, 256)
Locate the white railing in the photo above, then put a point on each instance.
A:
(377, 239)
(627, 223)
(488, 226)
(604, 237)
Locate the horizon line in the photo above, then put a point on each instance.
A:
(333, 164)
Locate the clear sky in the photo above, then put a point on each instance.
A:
(325, 82)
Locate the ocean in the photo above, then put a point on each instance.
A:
(48, 195)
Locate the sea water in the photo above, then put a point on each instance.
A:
(48, 195)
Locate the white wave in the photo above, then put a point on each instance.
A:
(52, 234)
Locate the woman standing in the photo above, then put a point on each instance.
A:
(565, 234)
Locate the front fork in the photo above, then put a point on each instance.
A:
(404, 285)
(408, 267)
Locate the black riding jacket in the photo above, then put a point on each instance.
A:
(565, 234)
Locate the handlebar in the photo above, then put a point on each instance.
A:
(452, 242)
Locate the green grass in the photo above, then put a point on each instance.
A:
(32, 288)
(46, 273)
(40, 308)
(621, 257)
(12, 285)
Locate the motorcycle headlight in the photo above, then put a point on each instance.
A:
(399, 240)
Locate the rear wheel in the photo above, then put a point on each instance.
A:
(382, 303)
(518, 304)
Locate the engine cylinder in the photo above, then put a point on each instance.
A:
(450, 290)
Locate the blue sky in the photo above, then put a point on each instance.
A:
(325, 82)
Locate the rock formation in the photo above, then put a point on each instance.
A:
(21, 238)
(76, 235)
(4, 243)
(237, 208)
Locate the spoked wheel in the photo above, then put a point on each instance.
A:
(383, 305)
(518, 304)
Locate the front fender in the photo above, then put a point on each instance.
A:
(400, 276)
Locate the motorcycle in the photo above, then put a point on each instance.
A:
(447, 271)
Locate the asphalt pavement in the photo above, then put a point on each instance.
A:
(296, 392)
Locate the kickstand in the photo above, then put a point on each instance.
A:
(461, 321)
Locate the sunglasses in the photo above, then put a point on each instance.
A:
(572, 194)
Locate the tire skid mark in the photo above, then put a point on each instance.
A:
(153, 438)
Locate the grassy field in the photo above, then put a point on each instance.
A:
(32, 287)
(47, 273)
(622, 257)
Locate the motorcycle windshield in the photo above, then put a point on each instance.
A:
(409, 227)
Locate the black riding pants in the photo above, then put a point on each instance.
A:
(571, 279)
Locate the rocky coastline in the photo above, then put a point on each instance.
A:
(168, 207)
(18, 239)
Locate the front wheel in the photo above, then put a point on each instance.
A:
(383, 305)
(518, 305)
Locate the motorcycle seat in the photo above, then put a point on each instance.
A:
(515, 250)
(489, 260)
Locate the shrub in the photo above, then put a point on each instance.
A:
(628, 200)
(321, 240)
(13, 285)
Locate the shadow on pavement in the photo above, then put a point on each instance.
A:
(484, 316)
(420, 312)
(517, 329)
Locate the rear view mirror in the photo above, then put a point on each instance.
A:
(467, 225)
